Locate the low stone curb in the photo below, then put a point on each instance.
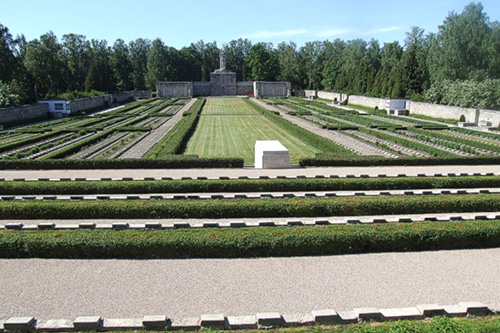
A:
(152, 225)
(260, 320)
(476, 174)
(186, 196)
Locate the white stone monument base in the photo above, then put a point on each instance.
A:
(271, 154)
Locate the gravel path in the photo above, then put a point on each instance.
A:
(248, 172)
(143, 146)
(335, 137)
(186, 288)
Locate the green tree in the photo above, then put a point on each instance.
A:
(44, 63)
(7, 58)
(333, 65)
(262, 62)
(236, 52)
(414, 63)
(76, 53)
(139, 55)
(122, 66)
(7, 96)
(157, 64)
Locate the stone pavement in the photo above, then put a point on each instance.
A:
(249, 172)
(187, 288)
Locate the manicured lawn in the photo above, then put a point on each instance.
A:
(229, 128)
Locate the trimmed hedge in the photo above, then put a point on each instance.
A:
(334, 160)
(240, 208)
(250, 242)
(172, 162)
(77, 146)
(242, 185)
(24, 142)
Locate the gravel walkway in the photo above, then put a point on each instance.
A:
(143, 146)
(187, 288)
(248, 172)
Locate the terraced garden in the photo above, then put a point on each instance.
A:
(105, 135)
(391, 136)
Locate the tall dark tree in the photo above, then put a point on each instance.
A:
(44, 62)
(139, 56)
(157, 64)
(122, 66)
(414, 63)
(7, 58)
(333, 64)
(262, 62)
(77, 55)
(236, 52)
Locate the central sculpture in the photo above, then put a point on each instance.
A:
(222, 60)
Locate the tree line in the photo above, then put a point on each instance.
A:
(432, 67)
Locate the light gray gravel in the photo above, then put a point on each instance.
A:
(248, 171)
(185, 288)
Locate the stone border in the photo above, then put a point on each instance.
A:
(297, 222)
(259, 320)
(475, 174)
(249, 195)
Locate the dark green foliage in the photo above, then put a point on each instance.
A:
(244, 185)
(172, 162)
(333, 160)
(36, 138)
(240, 208)
(250, 242)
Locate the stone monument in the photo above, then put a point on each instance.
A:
(271, 154)
(222, 80)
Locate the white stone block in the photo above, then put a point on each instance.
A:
(271, 154)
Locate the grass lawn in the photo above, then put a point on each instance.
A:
(229, 128)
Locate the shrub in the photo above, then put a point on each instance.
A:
(462, 119)
(250, 242)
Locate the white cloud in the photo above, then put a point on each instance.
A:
(334, 32)
(267, 34)
(381, 30)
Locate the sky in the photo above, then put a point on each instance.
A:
(179, 23)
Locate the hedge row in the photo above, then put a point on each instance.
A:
(334, 160)
(177, 137)
(77, 146)
(24, 142)
(172, 162)
(408, 143)
(242, 185)
(468, 142)
(241, 208)
(314, 140)
(250, 242)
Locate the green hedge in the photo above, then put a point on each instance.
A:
(77, 146)
(172, 162)
(334, 160)
(242, 185)
(240, 208)
(27, 141)
(250, 242)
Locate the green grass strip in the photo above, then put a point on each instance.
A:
(242, 185)
(241, 208)
(250, 242)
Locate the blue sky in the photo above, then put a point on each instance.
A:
(179, 23)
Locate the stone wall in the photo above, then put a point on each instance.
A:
(90, 103)
(370, 102)
(271, 89)
(244, 88)
(201, 88)
(331, 95)
(489, 116)
(443, 111)
(222, 83)
(175, 89)
(25, 113)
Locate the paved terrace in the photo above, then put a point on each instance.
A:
(187, 288)
(249, 172)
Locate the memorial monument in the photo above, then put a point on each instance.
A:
(222, 80)
(223, 83)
